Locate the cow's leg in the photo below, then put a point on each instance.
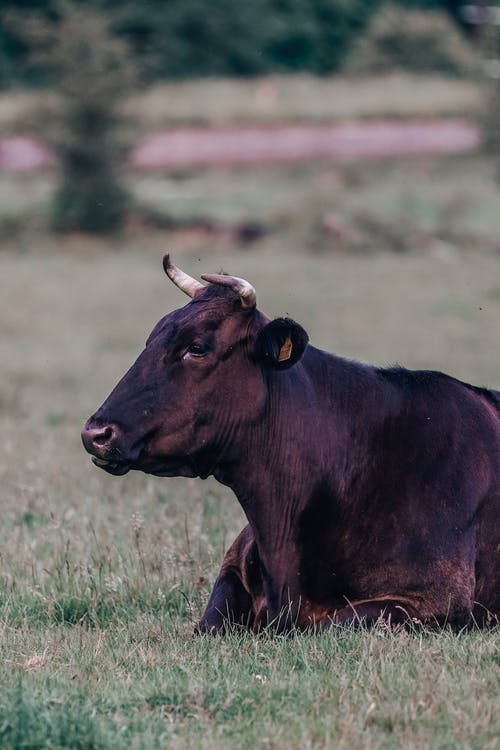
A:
(237, 596)
(367, 613)
(229, 603)
(394, 612)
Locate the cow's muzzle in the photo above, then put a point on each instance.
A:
(102, 441)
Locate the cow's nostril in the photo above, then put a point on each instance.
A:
(99, 437)
(104, 436)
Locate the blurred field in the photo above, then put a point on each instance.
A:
(270, 100)
(102, 578)
(429, 205)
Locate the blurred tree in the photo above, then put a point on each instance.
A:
(421, 41)
(193, 38)
(91, 72)
(186, 38)
(189, 38)
(15, 66)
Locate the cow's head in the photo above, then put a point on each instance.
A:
(200, 379)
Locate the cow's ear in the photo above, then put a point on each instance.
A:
(281, 343)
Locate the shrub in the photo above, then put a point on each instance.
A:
(420, 41)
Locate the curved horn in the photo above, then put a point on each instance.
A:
(240, 286)
(188, 285)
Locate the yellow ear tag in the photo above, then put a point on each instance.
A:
(286, 350)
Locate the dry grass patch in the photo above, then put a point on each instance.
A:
(270, 100)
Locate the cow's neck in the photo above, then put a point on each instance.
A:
(272, 472)
(272, 504)
(292, 465)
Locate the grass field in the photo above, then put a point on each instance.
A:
(102, 578)
(274, 99)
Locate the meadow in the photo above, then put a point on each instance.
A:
(103, 578)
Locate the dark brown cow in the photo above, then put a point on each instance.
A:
(370, 493)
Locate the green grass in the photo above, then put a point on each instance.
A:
(137, 687)
(103, 578)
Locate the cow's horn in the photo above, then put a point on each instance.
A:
(188, 285)
(246, 291)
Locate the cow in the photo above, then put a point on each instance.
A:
(371, 494)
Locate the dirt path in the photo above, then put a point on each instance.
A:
(189, 147)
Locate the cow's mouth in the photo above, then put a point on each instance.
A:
(117, 468)
(160, 468)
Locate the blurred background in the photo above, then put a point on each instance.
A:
(343, 155)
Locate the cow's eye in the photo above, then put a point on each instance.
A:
(196, 349)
